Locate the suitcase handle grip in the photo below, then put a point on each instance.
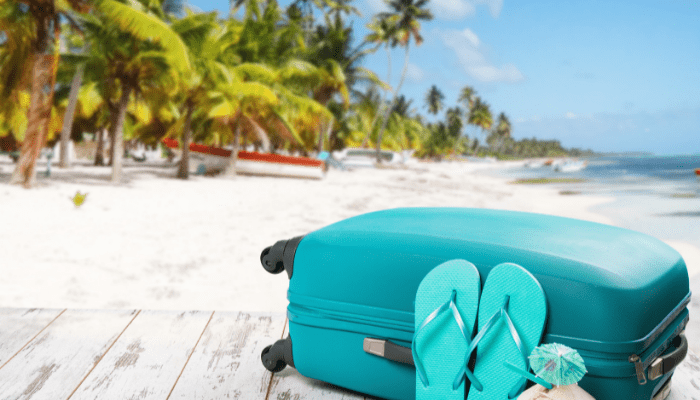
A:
(390, 351)
(668, 362)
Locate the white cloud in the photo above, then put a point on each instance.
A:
(570, 115)
(414, 73)
(376, 6)
(458, 9)
(471, 56)
(495, 6)
(448, 9)
(452, 9)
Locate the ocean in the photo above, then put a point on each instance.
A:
(657, 195)
(619, 175)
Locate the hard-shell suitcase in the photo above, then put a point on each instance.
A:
(618, 297)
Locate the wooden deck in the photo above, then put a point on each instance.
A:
(133, 354)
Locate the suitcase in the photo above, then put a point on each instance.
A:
(618, 297)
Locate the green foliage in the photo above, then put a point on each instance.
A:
(287, 72)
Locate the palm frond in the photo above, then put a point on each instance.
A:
(147, 27)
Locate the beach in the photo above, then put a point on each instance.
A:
(156, 242)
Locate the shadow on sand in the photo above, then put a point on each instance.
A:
(84, 173)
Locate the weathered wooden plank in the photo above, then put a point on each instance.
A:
(226, 363)
(147, 359)
(53, 364)
(291, 385)
(19, 325)
(685, 384)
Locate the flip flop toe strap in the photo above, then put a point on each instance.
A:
(460, 323)
(482, 332)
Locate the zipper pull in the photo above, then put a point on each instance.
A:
(639, 367)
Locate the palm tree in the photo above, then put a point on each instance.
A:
(405, 20)
(383, 33)
(454, 122)
(500, 133)
(76, 82)
(466, 96)
(45, 17)
(129, 62)
(480, 115)
(434, 99)
(206, 44)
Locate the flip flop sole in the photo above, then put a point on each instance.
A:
(440, 344)
(527, 308)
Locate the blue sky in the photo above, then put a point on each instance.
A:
(605, 75)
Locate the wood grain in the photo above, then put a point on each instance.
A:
(52, 365)
(291, 385)
(105, 354)
(19, 325)
(226, 363)
(147, 359)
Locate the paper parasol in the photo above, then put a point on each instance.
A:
(557, 364)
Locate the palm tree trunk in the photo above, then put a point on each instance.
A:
(184, 171)
(37, 120)
(118, 134)
(381, 105)
(100, 153)
(393, 101)
(68, 117)
(231, 170)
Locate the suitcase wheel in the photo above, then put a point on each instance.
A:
(273, 362)
(276, 357)
(273, 262)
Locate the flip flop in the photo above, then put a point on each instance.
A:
(446, 306)
(512, 316)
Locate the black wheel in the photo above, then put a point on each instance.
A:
(272, 264)
(272, 364)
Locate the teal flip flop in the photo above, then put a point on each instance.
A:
(512, 316)
(446, 306)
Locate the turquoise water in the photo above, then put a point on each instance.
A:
(663, 176)
(657, 195)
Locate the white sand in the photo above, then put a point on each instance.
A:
(161, 243)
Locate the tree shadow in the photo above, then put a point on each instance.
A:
(84, 173)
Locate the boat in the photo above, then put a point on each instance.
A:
(206, 159)
(534, 164)
(697, 171)
(569, 166)
(355, 157)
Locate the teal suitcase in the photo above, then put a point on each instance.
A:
(618, 297)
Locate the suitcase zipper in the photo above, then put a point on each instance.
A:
(639, 369)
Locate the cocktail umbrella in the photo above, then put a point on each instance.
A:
(557, 364)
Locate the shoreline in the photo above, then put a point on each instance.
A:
(157, 242)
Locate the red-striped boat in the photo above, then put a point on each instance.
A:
(207, 158)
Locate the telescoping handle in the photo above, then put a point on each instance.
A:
(386, 349)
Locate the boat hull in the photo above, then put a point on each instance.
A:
(207, 159)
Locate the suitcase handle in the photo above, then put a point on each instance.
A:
(390, 351)
(668, 362)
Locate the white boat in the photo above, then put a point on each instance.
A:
(569, 166)
(367, 158)
(205, 159)
(535, 164)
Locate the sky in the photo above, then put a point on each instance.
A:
(611, 76)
